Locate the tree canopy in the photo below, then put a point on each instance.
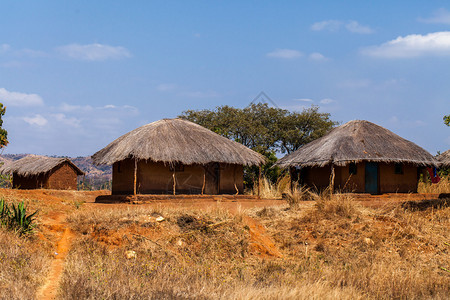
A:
(447, 120)
(263, 128)
(3, 133)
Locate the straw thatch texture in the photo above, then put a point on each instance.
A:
(358, 141)
(36, 164)
(444, 158)
(176, 141)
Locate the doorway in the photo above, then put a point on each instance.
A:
(371, 178)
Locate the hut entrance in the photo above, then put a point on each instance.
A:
(371, 178)
(212, 178)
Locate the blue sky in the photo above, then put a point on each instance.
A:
(75, 75)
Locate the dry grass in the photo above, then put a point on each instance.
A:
(443, 186)
(270, 190)
(387, 253)
(334, 250)
(23, 264)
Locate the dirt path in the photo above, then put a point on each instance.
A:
(56, 224)
(260, 242)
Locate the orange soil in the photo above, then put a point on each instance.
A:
(55, 205)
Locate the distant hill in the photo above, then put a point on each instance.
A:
(97, 177)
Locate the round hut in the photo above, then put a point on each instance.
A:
(361, 157)
(36, 172)
(175, 156)
(444, 159)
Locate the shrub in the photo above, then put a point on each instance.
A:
(15, 217)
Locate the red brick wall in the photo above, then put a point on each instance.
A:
(62, 178)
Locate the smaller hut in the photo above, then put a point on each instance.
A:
(36, 172)
(444, 159)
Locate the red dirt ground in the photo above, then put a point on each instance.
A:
(55, 205)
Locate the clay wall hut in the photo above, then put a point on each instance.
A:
(361, 157)
(444, 159)
(36, 172)
(175, 156)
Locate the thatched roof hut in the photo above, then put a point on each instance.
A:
(357, 141)
(176, 141)
(389, 162)
(444, 159)
(35, 171)
(155, 152)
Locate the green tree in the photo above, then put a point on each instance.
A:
(265, 129)
(3, 133)
(447, 120)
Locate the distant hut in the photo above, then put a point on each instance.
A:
(175, 156)
(361, 157)
(35, 172)
(444, 159)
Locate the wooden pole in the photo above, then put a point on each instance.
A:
(332, 179)
(204, 180)
(174, 181)
(135, 176)
(259, 181)
(234, 180)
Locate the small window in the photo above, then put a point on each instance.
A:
(352, 169)
(119, 169)
(176, 167)
(398, 169)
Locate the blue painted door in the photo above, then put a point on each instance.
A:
(371, 177)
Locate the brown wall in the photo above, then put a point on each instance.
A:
(388, 181)
(29, 182)
(350, 183)
(157, 178)
(63, 177)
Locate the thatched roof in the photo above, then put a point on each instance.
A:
(176, 141)
(36, 164)
(444, 158)
(358, 141)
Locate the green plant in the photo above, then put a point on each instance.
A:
(16, 218)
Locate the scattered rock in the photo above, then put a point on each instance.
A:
(160, 219)
(130, 254)
(369, 241)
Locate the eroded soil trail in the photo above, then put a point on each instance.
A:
(57, 225)
(260, 242)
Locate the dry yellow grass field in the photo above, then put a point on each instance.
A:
(331, 248)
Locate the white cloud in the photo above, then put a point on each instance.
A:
(304, 100)
(336, 25)
(440, 16)
(93, 52)
(414, 45)
(317, 57)
(284, 53)
(70, 121)
(19, 99)
(36, 120)
(355, 27)
(4, 48)
(329, 25)
(327, 101)
(69, 108)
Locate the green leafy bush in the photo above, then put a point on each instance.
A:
(15, 217)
